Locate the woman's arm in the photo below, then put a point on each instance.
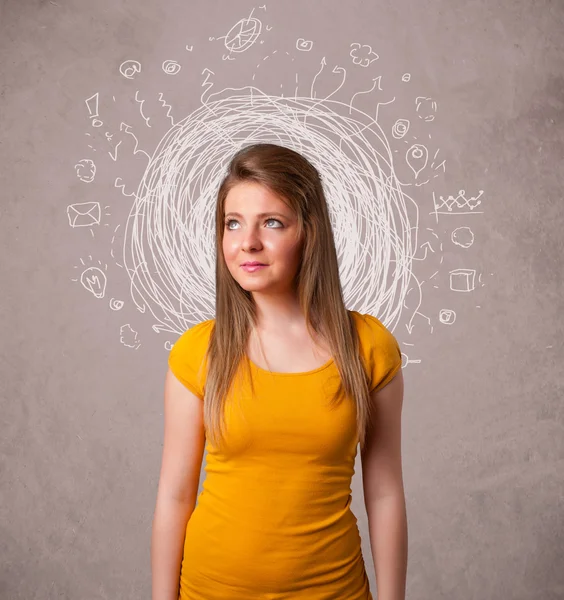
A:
(383, 491)
(183, 450)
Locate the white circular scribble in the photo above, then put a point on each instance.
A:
(130, 68)
(400, 128)
(169, 237)
(116, 304)
(171, 67)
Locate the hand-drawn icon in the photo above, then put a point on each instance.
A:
(128, 336)
(406, 77)
(116, 304)
(190, 48)
(85, 170)
(416, 158)
(458, 203)
(304, 45)
(362, 55)
(243, 34)
(130, 68)
(447, 316)
(92, 105)
(171, 67)
(427, 107)
(84, 214)
(141, 108)
(400, 128)
(165, 105)
(463, 237)
(94, 280)
(462, 280)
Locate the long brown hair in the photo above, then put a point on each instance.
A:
(297, 182)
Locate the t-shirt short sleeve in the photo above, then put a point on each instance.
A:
(187, 358)
(381, 351)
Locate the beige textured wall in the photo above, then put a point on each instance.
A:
(81, 393)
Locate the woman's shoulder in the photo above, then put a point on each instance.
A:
(379, 349)
(187, 356)
(199, 332)
(370, 327)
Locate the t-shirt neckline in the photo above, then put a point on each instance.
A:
(296, 374)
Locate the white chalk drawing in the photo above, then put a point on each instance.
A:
(92, 105)
(400, 128)
(129, 337)
(166, 243)
(243, 34)
(417, 157)
(165, 276)
(94, 280)
(141, 108)
(85, 170)
(425, 108)
(362, 54)
(168, 346)
(116, 304)
(165, 105)
(122, 187)
(447, 316)
(376, 83)
(130, 68)
(457, 205)
(405, 360)
(304, 45)
(84, 214)
(462, 280)
(127, 129)
(206, 83)
(463, 237)
(171, 67)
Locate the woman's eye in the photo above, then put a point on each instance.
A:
(229, 221)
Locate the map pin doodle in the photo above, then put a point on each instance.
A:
(416, 158)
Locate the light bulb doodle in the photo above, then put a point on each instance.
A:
(94, 280)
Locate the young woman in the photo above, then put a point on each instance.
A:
(283, 384)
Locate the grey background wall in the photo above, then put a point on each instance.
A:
(451, 233)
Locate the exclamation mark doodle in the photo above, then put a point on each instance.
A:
(92, 105)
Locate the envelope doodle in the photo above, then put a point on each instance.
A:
(84, 214)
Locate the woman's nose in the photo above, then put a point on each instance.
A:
(251, 239)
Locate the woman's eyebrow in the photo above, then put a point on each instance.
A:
(264, 214)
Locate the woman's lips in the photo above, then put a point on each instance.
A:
(252, 268)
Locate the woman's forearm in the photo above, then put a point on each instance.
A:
(387, 525)
(167, 543)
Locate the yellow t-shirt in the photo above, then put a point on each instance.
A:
(273, 520)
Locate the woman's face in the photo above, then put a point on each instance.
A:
(259, 226)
